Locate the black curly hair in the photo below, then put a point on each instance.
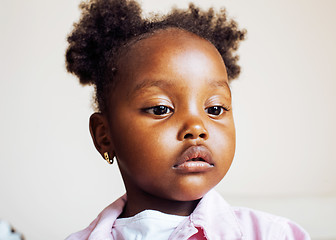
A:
(108, 26)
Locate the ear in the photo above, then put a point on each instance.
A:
(100, 133)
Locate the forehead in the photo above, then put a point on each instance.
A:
(169, 54)
(168, 41)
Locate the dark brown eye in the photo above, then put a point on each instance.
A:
(159, 110)
(215, 110)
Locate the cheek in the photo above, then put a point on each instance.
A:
(141, 144)
(224, 142)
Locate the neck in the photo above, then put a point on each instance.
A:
(138, 202)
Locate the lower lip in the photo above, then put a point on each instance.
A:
(194, 167)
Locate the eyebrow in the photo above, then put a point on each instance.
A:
(166, 83)
(150, 83)
(221, 83)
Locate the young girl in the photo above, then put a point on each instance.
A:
(165, 115)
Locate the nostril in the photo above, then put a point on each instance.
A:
(188, 135)
(202, 135)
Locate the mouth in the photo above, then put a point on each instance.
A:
(195, 159)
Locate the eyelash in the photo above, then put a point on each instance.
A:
(164, 110)
(155, 109)
(221, 109)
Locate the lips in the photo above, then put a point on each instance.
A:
(194, 159)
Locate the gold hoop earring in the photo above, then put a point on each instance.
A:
(107, 158)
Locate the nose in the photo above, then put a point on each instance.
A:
(193, 129)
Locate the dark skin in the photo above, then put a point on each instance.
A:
(171, 100)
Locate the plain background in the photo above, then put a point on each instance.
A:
(52, 180)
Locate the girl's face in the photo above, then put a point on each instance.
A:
(170, 117)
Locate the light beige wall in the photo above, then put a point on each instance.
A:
(53, 181)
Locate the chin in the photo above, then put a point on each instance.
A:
(191, 194)
(192, 188)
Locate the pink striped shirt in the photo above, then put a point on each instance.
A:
(212, 219)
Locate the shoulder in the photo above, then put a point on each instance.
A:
(101, 227)
(261, 225)
(218, 218)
